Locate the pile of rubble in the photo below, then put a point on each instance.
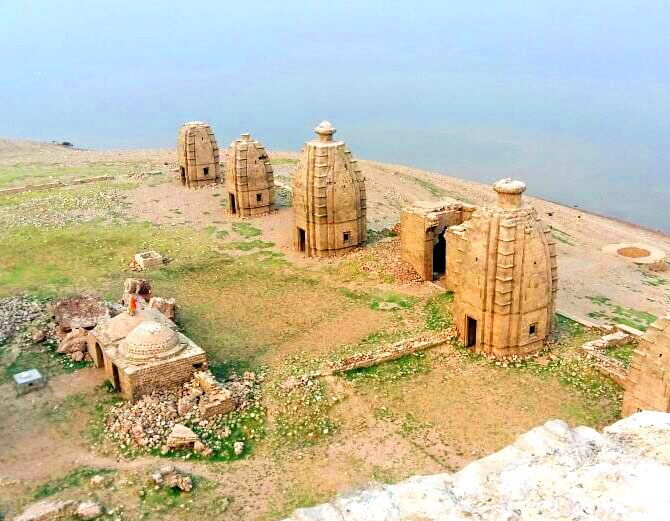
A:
(15, 313)
(170, 477)
(384, 259)
(166, 420)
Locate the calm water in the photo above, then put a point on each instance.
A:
(572, 98)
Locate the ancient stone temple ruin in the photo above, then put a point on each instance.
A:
(423, 228)
(143, 352)
(648, 382)
(501, 265)
(329, 205)
(198, 155)
(249, 178)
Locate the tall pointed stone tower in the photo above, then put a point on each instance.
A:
(198, 155)
(329, 206)
(249, 178)
(648, 382)
(501, 265)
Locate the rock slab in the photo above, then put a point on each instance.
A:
(552, 472)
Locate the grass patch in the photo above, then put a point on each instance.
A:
(562, 236)
(379, 301)
(637, 319)
(389, 372)
(623, 353)
(245, 230)
(284, 161)
(650, 279)
(74, 479)
(438, 311)
(248, 245)
(376, 235)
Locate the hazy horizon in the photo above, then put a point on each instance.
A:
(572, 98)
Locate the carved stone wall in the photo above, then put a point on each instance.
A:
(501, 265)
(648, 381)
(329, 201)
(198, 155)
(249, 178)
(422, 226)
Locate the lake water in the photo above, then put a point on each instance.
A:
(574, 99)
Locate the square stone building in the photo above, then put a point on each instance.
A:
(501, 265)
(423, 229)
(249, 178)
(198, 155)
(329, 201)
(143, 352)
(648, 381)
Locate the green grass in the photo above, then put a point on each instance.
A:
(407, 366)
(623, 353)
(246, 230)
(375, 299)
(73, 479)
(248, 245)
(20, 175)
(562, 236)
(610, 311)
(284, 161)
(438, 311)
(650, 279)
(375, 235)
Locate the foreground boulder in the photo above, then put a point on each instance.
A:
(552, 472)
(48, 509)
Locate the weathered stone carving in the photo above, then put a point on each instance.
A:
(329, 202)
(249, 178)
(198, 155)
(648, 382)
(501, 265)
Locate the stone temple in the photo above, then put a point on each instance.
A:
(143, 352)
(423, 228)
(249, 178)
(329, 202)
(648, 381)
(501, 265)
(198, 155)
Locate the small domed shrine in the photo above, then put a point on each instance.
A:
(198, 155)
(648, 380)
(501, 265)
(329, 203)
(142, 352)
(249, 178)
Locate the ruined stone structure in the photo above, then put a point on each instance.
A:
(143, 352)
(423, 229)
(648, 383)
(329, 205)
(249, 178)
(198, 155)
(501, 265)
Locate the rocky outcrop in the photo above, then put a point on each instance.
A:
(552, 472)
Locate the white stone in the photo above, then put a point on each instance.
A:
(552, 472)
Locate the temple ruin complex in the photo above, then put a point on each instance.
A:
(501, 265)
(329, 202)
(422, 235)
(648, 381)
(198, 155)
(249, 178)
(143, 352)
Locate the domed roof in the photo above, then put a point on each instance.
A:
(150, 341)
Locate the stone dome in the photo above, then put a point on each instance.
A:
(150, 341)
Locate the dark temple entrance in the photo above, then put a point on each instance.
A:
(439, 257)
(301, 239)
(231, 203)
(471, 330)
(115, 376)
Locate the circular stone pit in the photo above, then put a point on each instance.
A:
(639, 254)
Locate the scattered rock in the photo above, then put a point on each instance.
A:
(388, 306)
(238, 448)
(98, 481)
(181, 437)
(48, 509)
(39, 335)
(74, 341)
(89, 510)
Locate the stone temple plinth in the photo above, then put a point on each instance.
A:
(198, 155)
(249, 178)
(501, 265)
(329, 202)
